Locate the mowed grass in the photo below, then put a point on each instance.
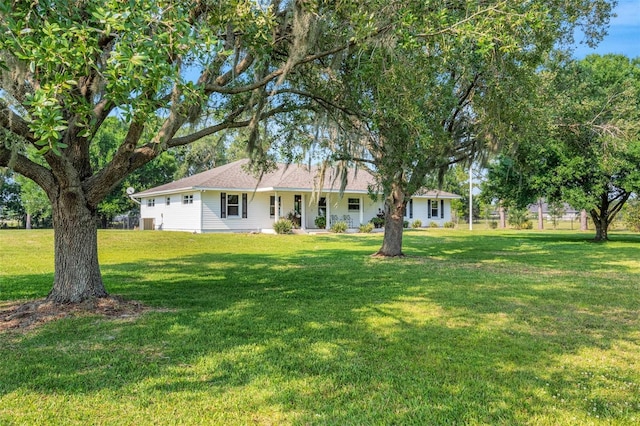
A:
(490, 327)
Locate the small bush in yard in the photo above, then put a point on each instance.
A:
(321, 222)
(519, 219)
(283, 226)
(416, 223)
(339, 227)
(449, 224)
(378, 222)
(434, 225)
(365, 228)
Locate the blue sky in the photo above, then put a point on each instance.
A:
(624, 33)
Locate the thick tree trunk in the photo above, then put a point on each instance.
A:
(393, 225)
(601, 223)
(77, 272)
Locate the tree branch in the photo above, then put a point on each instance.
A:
(228, 123)
(451, 28)
(326, 103)
(226, 78)
(622, 199)
(14, 123)
(21, 164)
(100, 184)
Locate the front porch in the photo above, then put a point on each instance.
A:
(305, 209)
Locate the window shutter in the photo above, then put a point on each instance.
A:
(429, 209)
(223, 204)
(411, 208)
(441, 209)
(244, 206)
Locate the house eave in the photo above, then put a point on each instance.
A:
(164, 192)
(438, 196)
(283, 189)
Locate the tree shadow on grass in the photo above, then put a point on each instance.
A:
(328, 337)
(561, 252)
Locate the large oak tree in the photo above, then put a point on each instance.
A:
(160, 66)
(452, 82)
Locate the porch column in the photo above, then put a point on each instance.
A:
(276, 208)
(303, 212)
(327, 224)
(361, 210)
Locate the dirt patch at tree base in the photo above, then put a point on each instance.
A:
(21, 316)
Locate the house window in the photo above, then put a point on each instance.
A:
(151, 202)
(434, 208)
(272, 206)
(187, 199)
(233, 205)
(354, 204)
(322, 207)
(168, 201)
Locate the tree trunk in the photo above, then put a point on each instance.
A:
(601, 223)
(503, 218)
(28, 222)
(77, 272)
(583, 220)
(393, 225)
(540, 217)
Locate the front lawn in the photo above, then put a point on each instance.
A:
(482, 327)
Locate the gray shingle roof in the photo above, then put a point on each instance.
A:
(235, 176)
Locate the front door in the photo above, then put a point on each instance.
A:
(297, 209)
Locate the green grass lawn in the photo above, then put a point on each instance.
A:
(483, 327)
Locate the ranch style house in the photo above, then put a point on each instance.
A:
(230, 198)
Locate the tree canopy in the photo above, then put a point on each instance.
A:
(161, 66)
(450, 84)
(587, 149)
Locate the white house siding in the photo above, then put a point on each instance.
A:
(371, 208)
(174, 216)
(421, 211)
(257, 213)
(339, 206)
(203, 214)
